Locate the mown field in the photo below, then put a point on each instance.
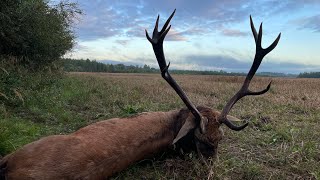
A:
(282, 140)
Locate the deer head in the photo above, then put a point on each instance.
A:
(205, 123)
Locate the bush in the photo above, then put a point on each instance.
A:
(35, 32)
(15, 84)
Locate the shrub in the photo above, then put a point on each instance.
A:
(35, 32)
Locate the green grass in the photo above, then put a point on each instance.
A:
(15, 132)
(281, 142)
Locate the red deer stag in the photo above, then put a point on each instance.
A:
(101, 149)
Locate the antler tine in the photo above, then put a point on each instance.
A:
(157, 41)
(157, 44)
(167, 22)
(155, 30)
(244, 91)
(254, 31)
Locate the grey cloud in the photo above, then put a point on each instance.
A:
(79, 47)
(110, 18)
(229, 64)
(233, 65)
(122, 42)
(233, 32)
(106, 18)
(216, 61)
(312, 23)
(287, 67)
(291, 6)
(175, 36)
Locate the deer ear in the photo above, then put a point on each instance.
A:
(189, 125)
(186, 127)
(203, 124)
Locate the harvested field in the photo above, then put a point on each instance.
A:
(282, 140)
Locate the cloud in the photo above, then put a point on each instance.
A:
(311, 23)
(233, 32)
(221, 62)
(122, 42)
(291, 6)
(174, 35)
(182, 35)
(202, 22)
(107, 18)
(104, 19)
(229, 64)
(110, 18)
(80, 47)
(218, 62)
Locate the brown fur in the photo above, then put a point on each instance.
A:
(207, 143)
(101, 149)
(3, 166)
(96, 151)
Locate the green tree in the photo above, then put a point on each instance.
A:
(34, 32)
(309, 75)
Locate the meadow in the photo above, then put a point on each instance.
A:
(282, 140)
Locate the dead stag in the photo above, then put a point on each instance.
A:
(101, 149)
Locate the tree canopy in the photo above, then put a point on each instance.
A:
(35, 32)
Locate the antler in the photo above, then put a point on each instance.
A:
(244, 91)
(157, 44)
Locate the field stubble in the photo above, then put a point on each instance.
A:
(281, 142)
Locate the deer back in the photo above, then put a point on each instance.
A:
(95, 151)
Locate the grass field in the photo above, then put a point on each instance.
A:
(281, 142)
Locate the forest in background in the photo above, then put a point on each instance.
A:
(76, 65)
(309, 75)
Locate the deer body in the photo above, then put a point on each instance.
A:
(96, 151)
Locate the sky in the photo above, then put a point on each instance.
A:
(205, 35)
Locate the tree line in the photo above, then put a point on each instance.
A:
(76, 65)
(309, 75)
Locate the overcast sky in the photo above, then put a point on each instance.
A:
(205, 35)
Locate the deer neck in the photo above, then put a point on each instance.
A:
(132, 139)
